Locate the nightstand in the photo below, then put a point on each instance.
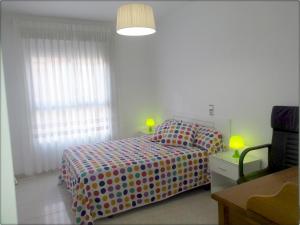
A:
(224, 169)
(142, 132)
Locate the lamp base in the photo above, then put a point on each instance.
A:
(150, 130)
(236, 154)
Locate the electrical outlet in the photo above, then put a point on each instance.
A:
(211, 110)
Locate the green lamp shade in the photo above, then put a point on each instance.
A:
(150, 123)
(236, 143)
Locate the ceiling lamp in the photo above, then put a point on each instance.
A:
(135, 20)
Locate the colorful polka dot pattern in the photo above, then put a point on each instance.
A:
(115, 176)
(179, 134)
(162, 129)
(209, 139)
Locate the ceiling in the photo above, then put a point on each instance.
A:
(91, 10)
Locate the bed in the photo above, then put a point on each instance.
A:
(114, 176)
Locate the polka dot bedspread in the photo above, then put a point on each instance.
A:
(114, 176)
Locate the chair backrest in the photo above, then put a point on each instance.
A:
(285, 124)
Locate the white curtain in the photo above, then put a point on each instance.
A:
(67, 88)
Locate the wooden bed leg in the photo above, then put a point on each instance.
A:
(206, 187)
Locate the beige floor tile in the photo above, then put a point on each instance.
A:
(40, 200)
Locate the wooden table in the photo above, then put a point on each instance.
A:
(232, 201)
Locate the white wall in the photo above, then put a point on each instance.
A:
(240, 56)
(135, 78)
(8, 196)
(13, 67)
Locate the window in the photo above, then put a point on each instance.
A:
(69, 91)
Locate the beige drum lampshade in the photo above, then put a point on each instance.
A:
(135, 20)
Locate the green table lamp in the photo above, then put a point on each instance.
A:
(236, 143)
(150, 123)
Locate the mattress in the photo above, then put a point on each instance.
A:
(114, 176)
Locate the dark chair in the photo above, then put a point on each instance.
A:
(283, 152)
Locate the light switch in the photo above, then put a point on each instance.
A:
(211, 110)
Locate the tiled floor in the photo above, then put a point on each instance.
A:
(40, 200)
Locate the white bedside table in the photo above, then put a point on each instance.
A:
(224, 169)
(142, 132)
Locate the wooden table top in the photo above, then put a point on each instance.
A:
(237, 196)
